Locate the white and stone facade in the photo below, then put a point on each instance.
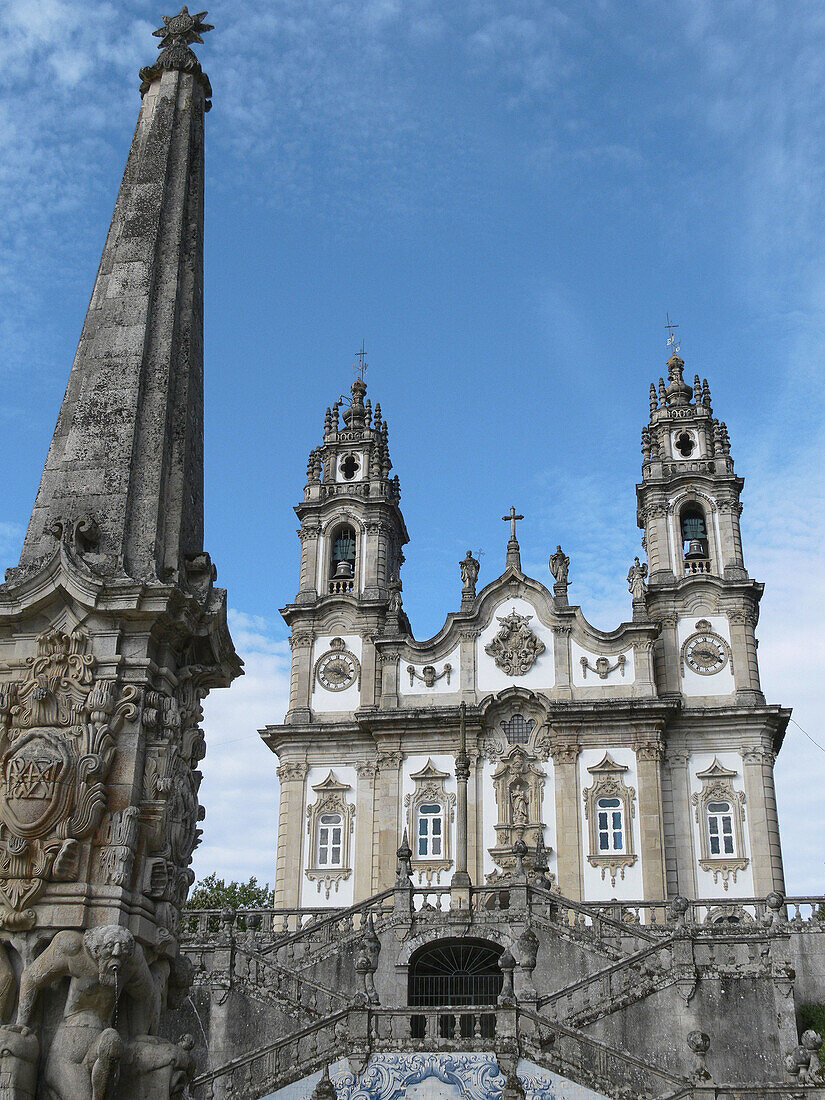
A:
(641, 757)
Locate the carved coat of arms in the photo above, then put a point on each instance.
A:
(57, 728)
(515, 647)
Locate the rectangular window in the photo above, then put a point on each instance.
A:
(430, 823)
(610, 824)
(330, 836)
(720, 829)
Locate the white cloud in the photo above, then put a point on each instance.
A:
(240, 788)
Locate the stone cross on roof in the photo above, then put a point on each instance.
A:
(513, 552)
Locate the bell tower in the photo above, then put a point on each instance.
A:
(689, 507)
(352, 533)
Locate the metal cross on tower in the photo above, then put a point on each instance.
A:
(672, 344)
(512, 517)
(361, 365)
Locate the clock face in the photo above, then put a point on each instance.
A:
(706, 653)
(337, 671)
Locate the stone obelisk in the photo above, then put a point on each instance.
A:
(111, 630)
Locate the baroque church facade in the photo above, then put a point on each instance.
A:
(523, 859)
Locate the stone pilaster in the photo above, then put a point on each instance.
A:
(651, 817)
(745, 665)
(364, 827)
(568, 819)
(291, 818)
(300, 677)
(762, 822)
(561, 661)
(369, 680)
(668, 662)
(310, 544)
(678, 766)
(388, 802)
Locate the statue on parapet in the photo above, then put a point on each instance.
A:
(559, 564)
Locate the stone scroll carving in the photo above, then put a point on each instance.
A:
(170, 809)
(515, 648)
(57, 743)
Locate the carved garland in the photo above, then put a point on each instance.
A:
(608, 782)
(717, 786)
(430, 789)
(332, 799)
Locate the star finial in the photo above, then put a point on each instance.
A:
(182, 29)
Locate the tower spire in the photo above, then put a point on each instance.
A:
(123, 480)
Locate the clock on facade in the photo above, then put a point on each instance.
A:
(338, 669)
(705, 651)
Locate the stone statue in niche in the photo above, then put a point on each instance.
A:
(109, 979)
(515, 648)
(519, 800)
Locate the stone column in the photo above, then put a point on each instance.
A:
(467, 681)
(460, 882)
(364, 827)
(388, 797)
(568, 820)
(291, 817)
(561, 661)
(651, 829)
(677, 763)
(762, 822)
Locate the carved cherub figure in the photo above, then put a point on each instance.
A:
(101, 965)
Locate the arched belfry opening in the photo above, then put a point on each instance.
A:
(342, 557)
(455, 972)
(693, 528)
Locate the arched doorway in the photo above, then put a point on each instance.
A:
(455, 974)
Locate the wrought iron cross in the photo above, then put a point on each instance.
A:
(671, 338)
(361, 365)
(512, 517)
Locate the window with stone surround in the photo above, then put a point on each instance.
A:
(609, 807)
(430, 810)
(719, 809)
(329, 828)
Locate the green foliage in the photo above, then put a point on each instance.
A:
(213, 893)
(812, 1018)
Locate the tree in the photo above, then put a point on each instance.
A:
(213, 893)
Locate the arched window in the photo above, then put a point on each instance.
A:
(610, 824)
(517, 729)
(720, 829)
(330, 840)
(694, 532)
(430, 831)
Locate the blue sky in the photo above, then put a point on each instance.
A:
(503, 197)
